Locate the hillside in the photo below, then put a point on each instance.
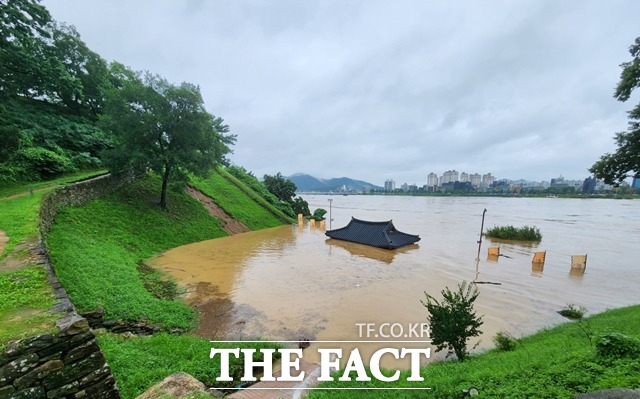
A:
(106, 270)
(305, 182)
(42, 140)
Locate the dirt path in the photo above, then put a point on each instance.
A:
(230, 225)
(3, 241)
(22, 194)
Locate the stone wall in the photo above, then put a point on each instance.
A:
(67, 364)
(77, 194)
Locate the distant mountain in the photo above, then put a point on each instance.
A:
(306, 182)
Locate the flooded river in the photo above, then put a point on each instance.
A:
(292, 282)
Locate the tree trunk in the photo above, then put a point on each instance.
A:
(165, 183)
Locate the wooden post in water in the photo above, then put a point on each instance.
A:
(481, 230)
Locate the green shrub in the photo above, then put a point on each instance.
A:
(454, 320)
(526, 233)
(45, 162)
(504, 341)
(318, 214)
(572, 312)
(616, 345)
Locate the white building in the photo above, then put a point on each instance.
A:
(432, 180)
(449, 176)
(487, 180)
(475, 179)
(389, 185)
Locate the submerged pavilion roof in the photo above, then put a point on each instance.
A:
(376, 234)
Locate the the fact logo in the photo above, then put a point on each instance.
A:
(329, 361)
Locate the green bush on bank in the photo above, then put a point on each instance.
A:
(525, 233)
(556, 363)
(95, 249)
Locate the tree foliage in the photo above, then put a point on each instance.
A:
(453, 321)
(51, 87)
(283, 189)
(164, 128)
(615, 168)
(300, 206)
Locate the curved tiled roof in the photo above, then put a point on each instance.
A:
(376, 234)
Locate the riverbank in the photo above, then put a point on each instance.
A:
(98, 250)
(555, 363)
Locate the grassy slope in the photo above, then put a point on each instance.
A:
(253, 211)
(25, 295)
(95, 249)
(556, 363)
(140, 362)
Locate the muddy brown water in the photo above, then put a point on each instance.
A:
(292, 282)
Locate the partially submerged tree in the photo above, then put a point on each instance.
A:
(162, 127)
(625, 161)
(282, 188)
(453, 321)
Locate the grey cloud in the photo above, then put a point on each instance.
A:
(378, 89)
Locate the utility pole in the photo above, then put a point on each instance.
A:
(330, 218)
(481, 230)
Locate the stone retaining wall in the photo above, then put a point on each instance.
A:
(67, 364)
(77, 194)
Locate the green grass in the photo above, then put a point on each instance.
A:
(140, 362)
(556, 363)
(19, 219)
(10, 189)
(260, 197)
(25, 297)
(254, 212)
(525, 233)
(95, 249)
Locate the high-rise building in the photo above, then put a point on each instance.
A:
(389, 185)
(487, 180)
(432, 180)
(449, 176)
(475, 179)
(464, 177)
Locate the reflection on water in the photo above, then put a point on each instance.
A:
(291, 282)
(379, 254)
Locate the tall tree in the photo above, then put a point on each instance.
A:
(25, 33)
(283, 189)
(85, 73)
(625, 161)
(162, 127)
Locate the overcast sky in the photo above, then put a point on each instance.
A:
(374, 90)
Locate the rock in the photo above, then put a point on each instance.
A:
(177, 385)
(72, 324)
(38, 373)
(618, 393)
